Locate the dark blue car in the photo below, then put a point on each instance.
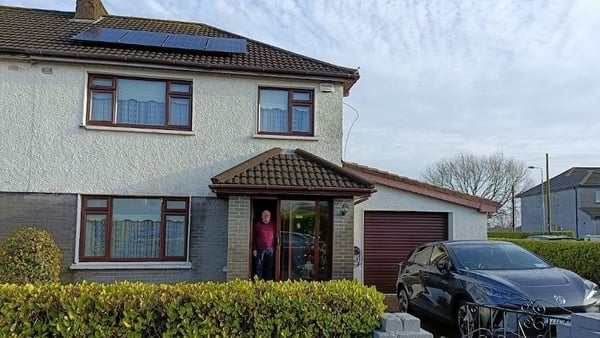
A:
(444, 279)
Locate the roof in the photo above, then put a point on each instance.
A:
(45, 34)
(576, 177)
(290, 172)
(425, 189)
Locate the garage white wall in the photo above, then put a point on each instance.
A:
(464, 222)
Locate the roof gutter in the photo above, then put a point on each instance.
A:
(266, 188)
(348, 80)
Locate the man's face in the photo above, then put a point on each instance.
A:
(266, 217)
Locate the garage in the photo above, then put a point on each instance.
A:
(390, 236)
(404, 213)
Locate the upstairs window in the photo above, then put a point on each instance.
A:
(286, 112)
(122, 229)
(139, 103)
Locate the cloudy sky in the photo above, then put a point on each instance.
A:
(438, 77)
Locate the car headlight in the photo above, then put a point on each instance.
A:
(493, 292)
(592, 293)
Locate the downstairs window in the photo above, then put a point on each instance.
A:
(123, 229)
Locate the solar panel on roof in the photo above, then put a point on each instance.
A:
(192, 42)
(226, 45)
(162, 40)
(143, 38)
(101, 34)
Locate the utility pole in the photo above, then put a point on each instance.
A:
(512, 193)
(541, 195)
(548, 217)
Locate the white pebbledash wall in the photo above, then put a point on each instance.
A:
(464, 222)
(47, 148)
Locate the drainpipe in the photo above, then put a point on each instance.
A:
(576, 214)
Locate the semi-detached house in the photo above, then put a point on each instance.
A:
(150, 147)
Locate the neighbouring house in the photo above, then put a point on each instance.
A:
(150, 147)
(405, 213)
(574, 203)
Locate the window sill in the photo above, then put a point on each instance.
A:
(286, 137)
(141, 130)
(130, 265)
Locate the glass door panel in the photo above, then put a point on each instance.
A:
(322, 244)
(297, 256)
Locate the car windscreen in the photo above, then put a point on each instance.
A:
(496, 257)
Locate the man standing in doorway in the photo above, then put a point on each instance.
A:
(264, 243)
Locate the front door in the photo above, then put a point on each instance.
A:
(303, 237)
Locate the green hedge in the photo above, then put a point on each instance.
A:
(236, 308)
(518, 234)
(578, 256)
(30, 255)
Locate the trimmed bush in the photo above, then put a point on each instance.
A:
(30, 255)
(518, 234)
(578, 256)
(239, 308)
(502, 235)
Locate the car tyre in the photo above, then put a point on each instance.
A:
(468, 321)
(402, 299)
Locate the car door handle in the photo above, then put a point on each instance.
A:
(426, 276)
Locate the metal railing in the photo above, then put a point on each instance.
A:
(528, 321)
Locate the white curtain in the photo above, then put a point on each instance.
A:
(135, 239)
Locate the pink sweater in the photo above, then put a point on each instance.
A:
(265, 235)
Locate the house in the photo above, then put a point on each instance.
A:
(150, 147)
(574, 203)
(405, 213)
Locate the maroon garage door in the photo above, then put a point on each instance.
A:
(390, 236)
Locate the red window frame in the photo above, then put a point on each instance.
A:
(290, 104)
(113, 90)
(107, 212)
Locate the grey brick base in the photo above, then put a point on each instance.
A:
(400, 325)
(583, 325)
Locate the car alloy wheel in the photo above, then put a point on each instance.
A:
(402, 300)
(465, 319)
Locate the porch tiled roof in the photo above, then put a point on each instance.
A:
(296, 172)
(38, 33)
(422, 188)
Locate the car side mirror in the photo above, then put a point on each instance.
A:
(442, 265)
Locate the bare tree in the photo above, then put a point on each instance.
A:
(494, 177)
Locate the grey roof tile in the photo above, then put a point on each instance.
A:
(572, 178)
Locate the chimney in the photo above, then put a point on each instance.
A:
(89, 10)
